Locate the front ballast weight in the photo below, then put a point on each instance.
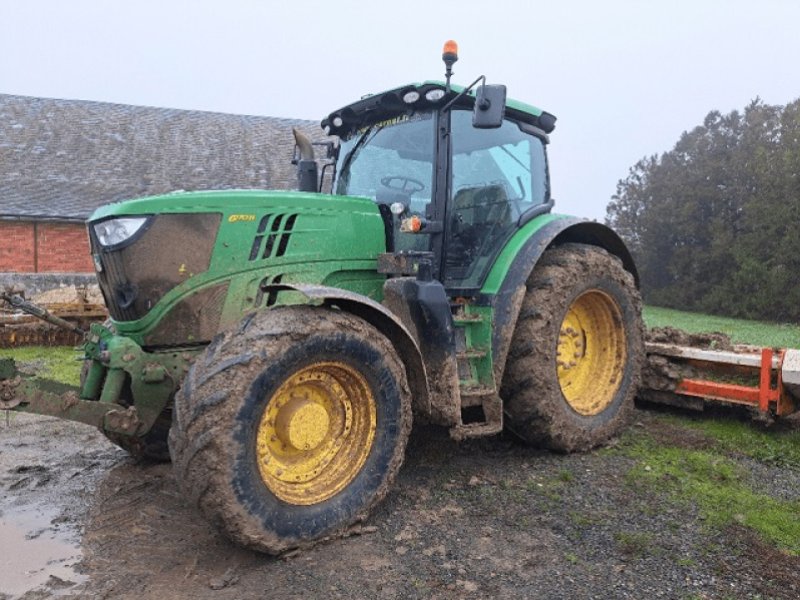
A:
(124, 389)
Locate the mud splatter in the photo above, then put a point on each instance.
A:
(677, 337)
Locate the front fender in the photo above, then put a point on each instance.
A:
(384, 321)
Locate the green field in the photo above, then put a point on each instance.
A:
(759, 333)
(720, 481)
(58, 363)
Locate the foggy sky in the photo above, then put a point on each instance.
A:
(624, 78)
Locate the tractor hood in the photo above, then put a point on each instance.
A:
(230, 203)
(198, 260)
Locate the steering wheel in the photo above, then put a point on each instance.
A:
(408, 185)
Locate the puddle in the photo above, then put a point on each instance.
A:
(35, 552)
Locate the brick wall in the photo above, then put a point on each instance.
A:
(43, 247)
(16, 247)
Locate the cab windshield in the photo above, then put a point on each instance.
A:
(497, 176)
(390, 162)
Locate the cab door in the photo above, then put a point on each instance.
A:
(497, 175)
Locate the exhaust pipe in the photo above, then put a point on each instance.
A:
(307, 180)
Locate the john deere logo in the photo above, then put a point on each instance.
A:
(279, 228)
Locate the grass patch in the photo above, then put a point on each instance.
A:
(57, 363)
(741, 331)
(780, 448)
(584, 518)
(634, 543)
(718, 487)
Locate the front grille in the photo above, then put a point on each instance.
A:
(174, 247)
(193, 320)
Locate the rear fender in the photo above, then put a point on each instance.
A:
(507, 298)
(384, 321)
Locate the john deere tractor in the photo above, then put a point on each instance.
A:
(281, 343)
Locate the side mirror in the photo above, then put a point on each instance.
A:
(490, 107)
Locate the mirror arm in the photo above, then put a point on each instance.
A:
(463, 92)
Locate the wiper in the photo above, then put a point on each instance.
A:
(367, 135)
(518, 161)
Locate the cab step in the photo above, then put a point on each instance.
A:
(481, 407)
(467, 319)
(474, 394)
(492, 406)
(471, 353)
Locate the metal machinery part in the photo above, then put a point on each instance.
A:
(27, 324)
(770, 376)
(591, 349)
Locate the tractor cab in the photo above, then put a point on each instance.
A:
(455, 172)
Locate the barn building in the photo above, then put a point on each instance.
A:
(61, 159)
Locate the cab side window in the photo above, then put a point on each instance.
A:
(498, 174)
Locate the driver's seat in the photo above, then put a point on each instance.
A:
(481, 216)
(486, 205)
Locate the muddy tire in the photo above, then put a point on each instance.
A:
(575, 358)
(292, 427)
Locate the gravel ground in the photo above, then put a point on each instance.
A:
(486, 518)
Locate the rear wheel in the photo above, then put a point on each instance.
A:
(292, 427)
(575, 357)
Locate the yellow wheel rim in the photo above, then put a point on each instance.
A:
(591, 353)
(316, 433)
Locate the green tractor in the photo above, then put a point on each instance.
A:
(281, 343)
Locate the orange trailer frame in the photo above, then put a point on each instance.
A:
(769, 396)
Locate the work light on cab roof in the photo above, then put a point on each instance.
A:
(488, 102)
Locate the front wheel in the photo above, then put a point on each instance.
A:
(575, 357)
(291, 428)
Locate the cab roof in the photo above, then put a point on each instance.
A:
(375, 108)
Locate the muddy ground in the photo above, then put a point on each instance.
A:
(476, 519)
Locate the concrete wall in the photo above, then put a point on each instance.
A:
(44, 247)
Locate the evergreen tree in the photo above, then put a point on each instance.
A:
(712, 223)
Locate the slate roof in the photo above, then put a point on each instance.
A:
(64, 158)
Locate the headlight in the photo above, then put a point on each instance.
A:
(116, 231)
